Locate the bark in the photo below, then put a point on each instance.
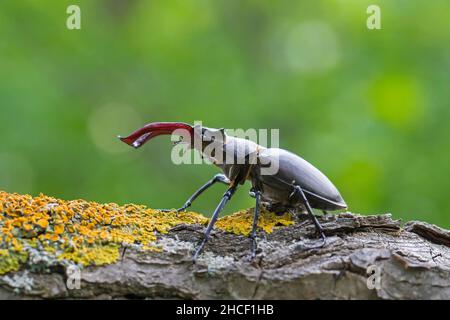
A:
(413, 261)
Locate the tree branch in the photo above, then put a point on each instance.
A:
(414, 263)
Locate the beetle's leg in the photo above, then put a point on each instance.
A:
(310, 212)
(217, 178)
(226, 197)
(255, 222)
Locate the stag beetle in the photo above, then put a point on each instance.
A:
(295, 185)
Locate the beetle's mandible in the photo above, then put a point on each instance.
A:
(295, 186)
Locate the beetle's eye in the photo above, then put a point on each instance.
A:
(208, 137)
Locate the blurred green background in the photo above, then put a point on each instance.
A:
(370, 108)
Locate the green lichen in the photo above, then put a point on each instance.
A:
(11, 261)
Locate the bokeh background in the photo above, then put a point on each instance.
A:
(370, 108)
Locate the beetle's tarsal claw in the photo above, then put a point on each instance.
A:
(253, 249)
(199, 250)
(324, 241)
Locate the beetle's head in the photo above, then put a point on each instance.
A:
(141, 136)
(204, 136)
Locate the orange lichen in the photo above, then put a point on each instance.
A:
(43, 223)
(80, 231)
(59, 229)
(89, 233)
